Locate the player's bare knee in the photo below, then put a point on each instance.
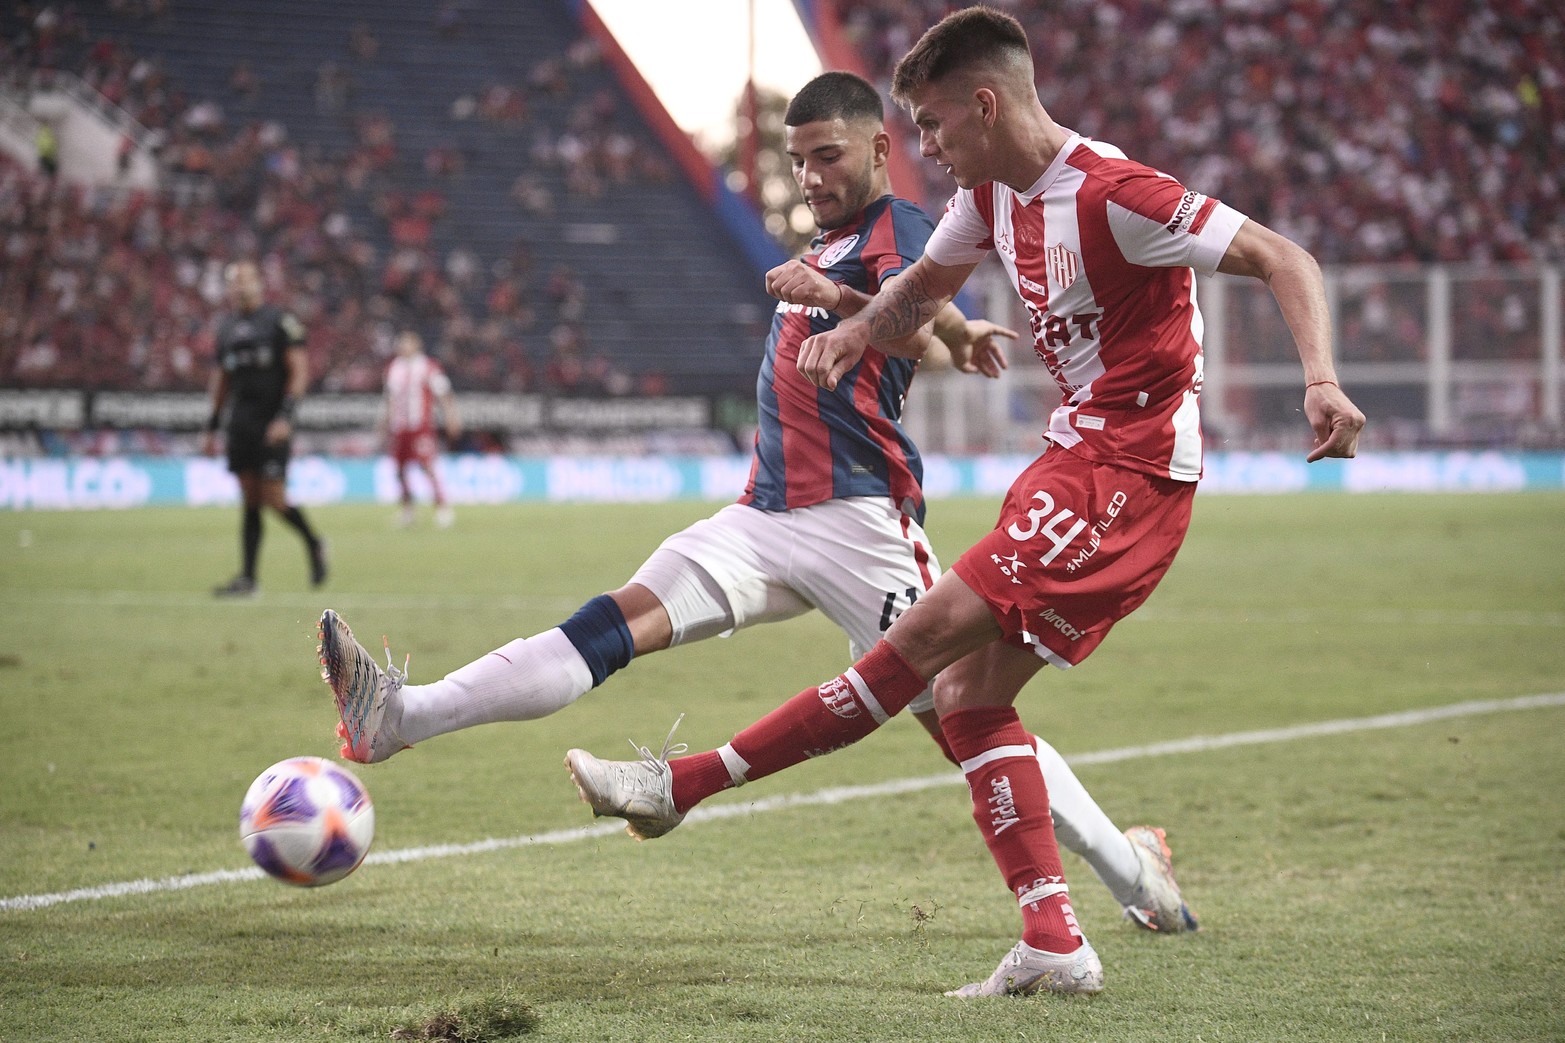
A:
(954, 692)
(651, 629)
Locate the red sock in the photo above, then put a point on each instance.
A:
(697, 777)
(814, 722)
(945, 748)
(1011, 807)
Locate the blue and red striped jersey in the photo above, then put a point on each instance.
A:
(813, 445)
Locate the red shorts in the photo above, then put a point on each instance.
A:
(1078, 547)
(414, 447)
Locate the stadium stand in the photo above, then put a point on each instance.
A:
(1429, 132)
(481, 171)
(510, 204)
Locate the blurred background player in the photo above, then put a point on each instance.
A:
(415, 384)
(831, 518)
(262, 373)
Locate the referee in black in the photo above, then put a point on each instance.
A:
(262, 371)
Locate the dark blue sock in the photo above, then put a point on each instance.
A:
(600, 634)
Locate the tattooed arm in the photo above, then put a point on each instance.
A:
(901, 308)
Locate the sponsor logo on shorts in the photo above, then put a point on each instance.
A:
(1002, 805)
(1060, 623)
(1095, 535)
(1010, 566)
(840, 699)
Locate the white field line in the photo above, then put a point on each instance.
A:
(518, 603)
(833, 795)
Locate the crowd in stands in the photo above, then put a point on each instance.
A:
(109, 287)
(1369, 132)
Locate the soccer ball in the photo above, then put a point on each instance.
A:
(307, 821)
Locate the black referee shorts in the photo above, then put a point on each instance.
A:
(248, 449)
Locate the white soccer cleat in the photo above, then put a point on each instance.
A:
(1026, 970)
(363, 693)
(445, 517)
(1158, 905)
(640, 792)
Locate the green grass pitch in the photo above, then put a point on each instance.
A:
(1402, 883)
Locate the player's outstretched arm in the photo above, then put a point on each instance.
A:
(794, 282)
(905, 304)
(1295, 281)
(968, 345)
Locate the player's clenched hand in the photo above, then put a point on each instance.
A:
(825, 357)
(1335, 420)
(795, 282)
(980, 350)
(278, 431)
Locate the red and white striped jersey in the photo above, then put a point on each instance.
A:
(1101, 251)
(413, 383)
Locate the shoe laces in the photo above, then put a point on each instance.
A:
(395, 677)
(658, 762)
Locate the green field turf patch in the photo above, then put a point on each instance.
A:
(1397, 884)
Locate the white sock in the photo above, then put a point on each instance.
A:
(1081, 826)
(524, 680)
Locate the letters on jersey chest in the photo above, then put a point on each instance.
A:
(246, 345)
(1039, 244)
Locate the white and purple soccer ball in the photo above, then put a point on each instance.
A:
(307, 821)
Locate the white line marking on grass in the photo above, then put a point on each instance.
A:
(1418, 617)
(832, 795)
(177, 599)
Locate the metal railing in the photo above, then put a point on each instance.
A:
(1437, 355)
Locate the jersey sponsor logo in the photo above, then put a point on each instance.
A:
(1063, 265)
(1055, 330)
(1002, 805)
(784, 308)
(1002, 243)
(837, 251)
(1185, 212)
(839, 698)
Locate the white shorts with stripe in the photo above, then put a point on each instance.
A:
(860, 560)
